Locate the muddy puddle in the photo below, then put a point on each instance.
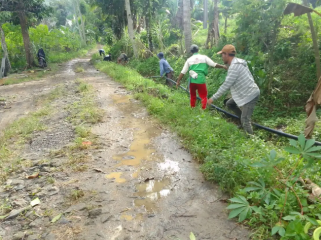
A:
(150, 192)
(140, 148)
(141, 151)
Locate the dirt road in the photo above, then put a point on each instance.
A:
(138, 184)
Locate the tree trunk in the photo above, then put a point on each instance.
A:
(225, 25)
(149, 34)
(78, 26)
(4, 48)
(82, 22)
(179, 15)
(187, 24)
(315, 42)
(271, 55)
(130, 27)
(205, 14)
(216, 21)
(26, 39)
(210, 36)
(83, 27)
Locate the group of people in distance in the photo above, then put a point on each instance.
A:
(122, 59)
(239, 80)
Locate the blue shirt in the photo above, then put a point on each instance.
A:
(164, 67)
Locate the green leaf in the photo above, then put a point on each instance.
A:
(293, 143)
(233, 206)
(258, 164)
(56, 218)
(309, 143)
(275, 229)
(257, 210)
(235, 212)
(239, 200)
(292, 150)
(249, 189)
(255, 183)
(267, 198)
(281, 231)
(301, 140)
(314, 149)
(289, 218)
(311, 220)
(192, 236)
(316, 155)
(243, 214)
(272, 154)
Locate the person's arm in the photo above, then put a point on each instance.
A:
(161, 67)
(228, 83)
(184, 71)
(213, 64)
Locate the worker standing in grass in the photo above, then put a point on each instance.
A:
(165, 68)
(122, 59)
(245, 92)
(197, 66)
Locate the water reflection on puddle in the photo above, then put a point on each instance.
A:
(151, 191)
(116, 176)
(169, 166)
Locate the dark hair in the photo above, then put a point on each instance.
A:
(194, 48)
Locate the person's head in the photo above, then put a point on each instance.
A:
(228, 53)
(160, 55)
(194, 49)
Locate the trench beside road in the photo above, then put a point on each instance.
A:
(138, 182)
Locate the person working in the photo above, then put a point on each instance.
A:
(197, 65)
(101, 52)
(122, 58)
(164, 66)
(239, 80)
(107, 58)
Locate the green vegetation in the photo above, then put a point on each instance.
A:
(264, 182)
(269, 183)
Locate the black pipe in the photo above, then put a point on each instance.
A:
(283, 134)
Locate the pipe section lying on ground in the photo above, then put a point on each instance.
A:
(283, 134)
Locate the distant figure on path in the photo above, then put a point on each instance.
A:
(197, 66)
(239, 80)
(165, 68)
(101, 52)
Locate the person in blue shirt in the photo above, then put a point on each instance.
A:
(165, 68)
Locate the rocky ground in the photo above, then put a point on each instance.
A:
(128, 179)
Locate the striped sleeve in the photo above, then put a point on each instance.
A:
(229, 81)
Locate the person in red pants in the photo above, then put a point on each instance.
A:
(197, 66)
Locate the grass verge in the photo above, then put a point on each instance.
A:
(17, 134)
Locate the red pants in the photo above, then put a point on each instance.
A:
(202, 92)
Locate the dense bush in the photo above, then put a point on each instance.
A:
(59, 44)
